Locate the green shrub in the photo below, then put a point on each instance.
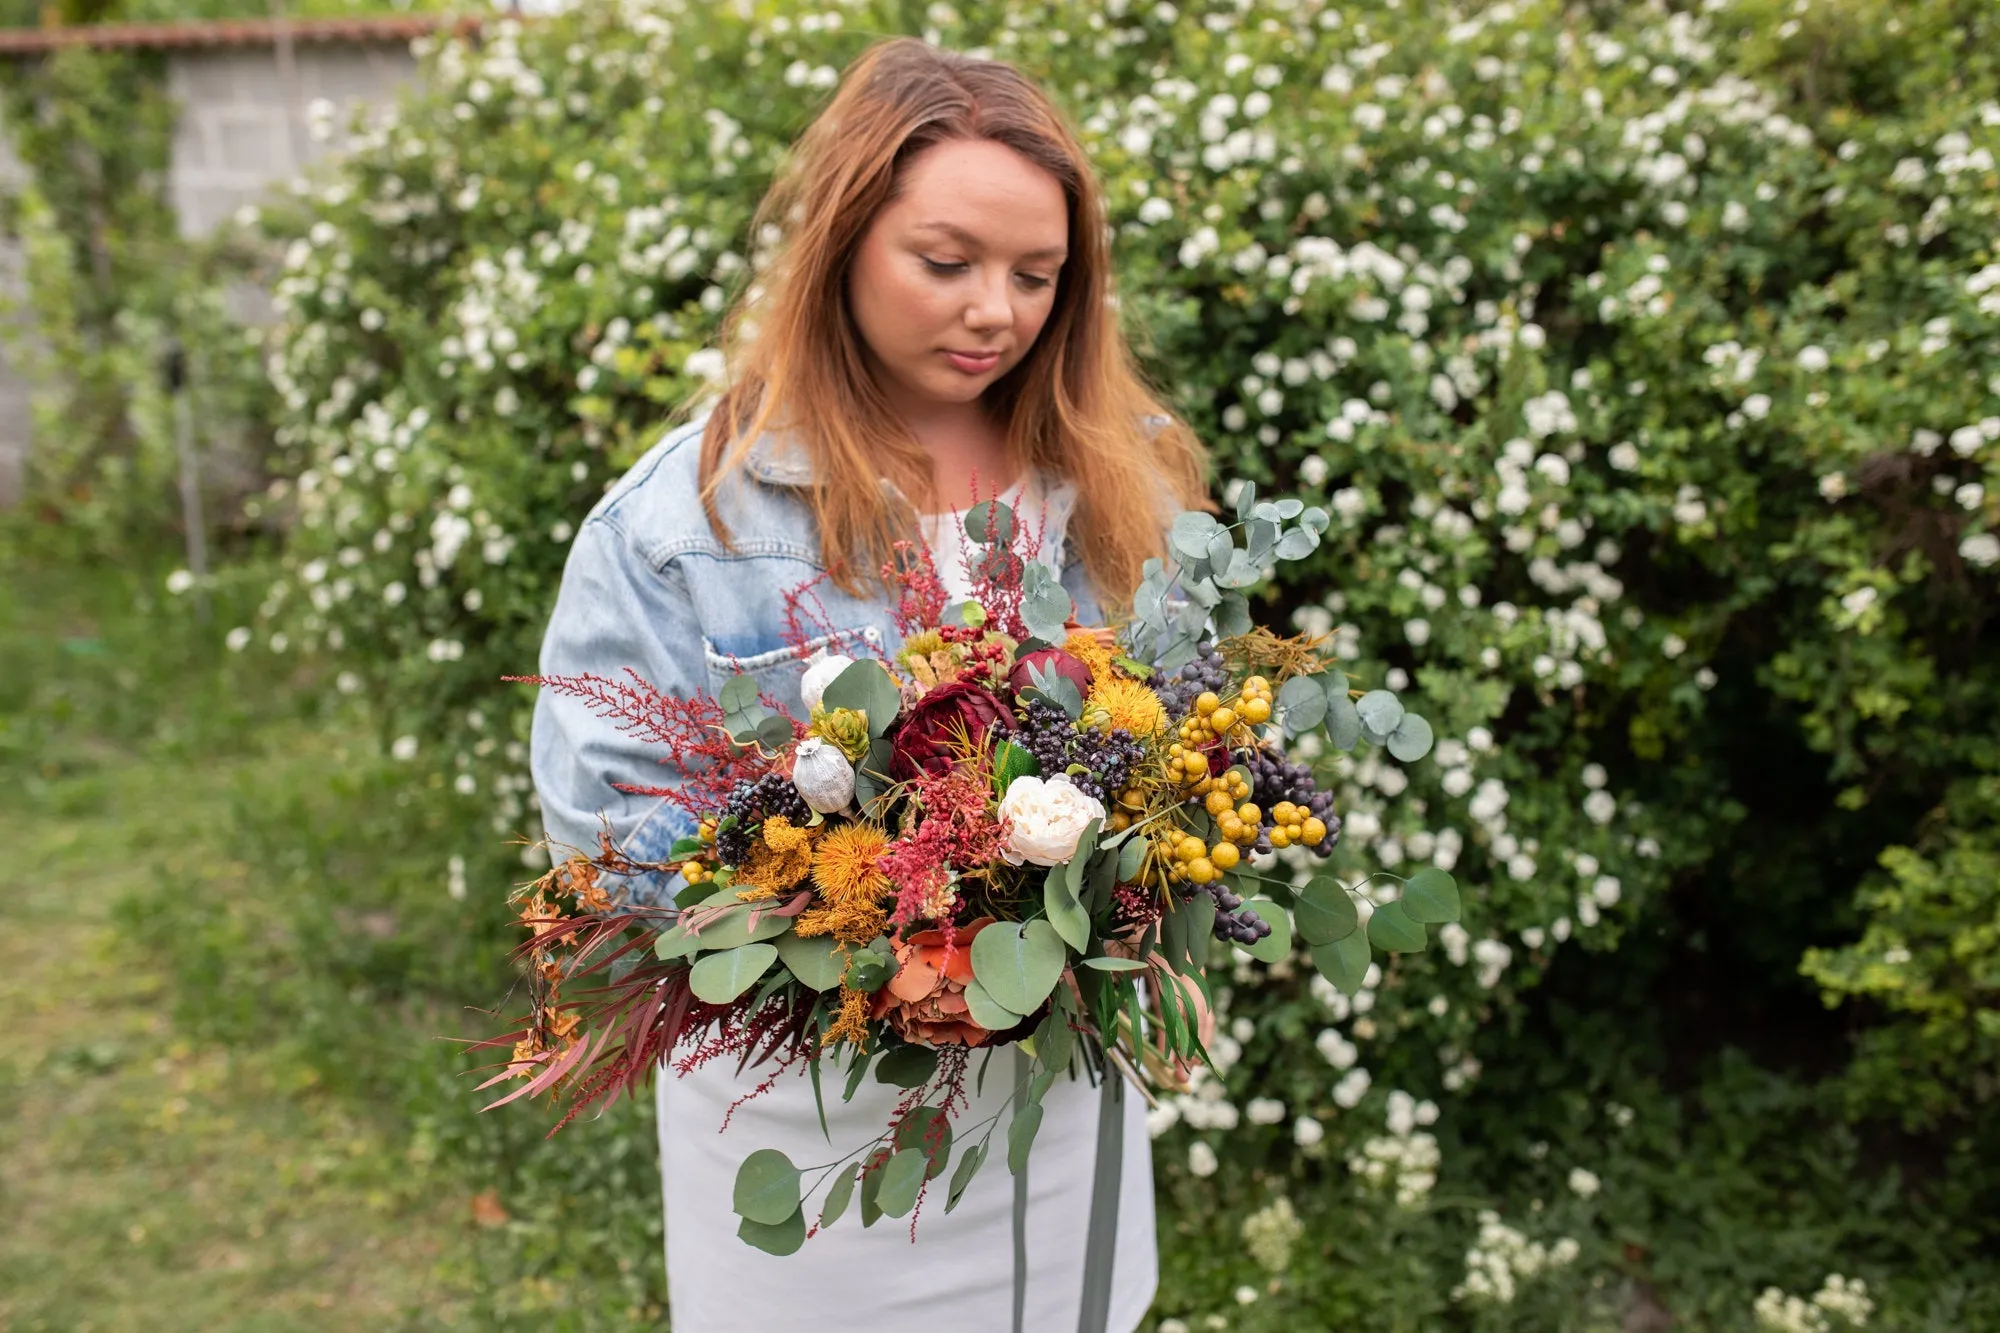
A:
(1649, 359)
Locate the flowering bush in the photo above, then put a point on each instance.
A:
(1648, 361)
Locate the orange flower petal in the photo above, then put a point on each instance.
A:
(913, 980)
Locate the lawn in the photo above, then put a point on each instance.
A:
(155, 1179)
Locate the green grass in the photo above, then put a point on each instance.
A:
(156, 1182)
(229, 1099)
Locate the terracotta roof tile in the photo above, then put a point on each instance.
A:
(388, 28)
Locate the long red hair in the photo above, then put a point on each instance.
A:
(1076, 406)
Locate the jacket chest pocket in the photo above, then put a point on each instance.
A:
(779, 668)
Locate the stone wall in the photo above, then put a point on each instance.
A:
(242, 130)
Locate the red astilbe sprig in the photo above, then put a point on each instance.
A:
(690, 732)
(806, 619)
(920, 594)
(955, 829)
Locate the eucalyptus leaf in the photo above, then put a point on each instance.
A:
(1381, 712)
(985, 1010)
(1324, 912)
(1045, 605)
(774, 732)
(1232, 616)
(782, 1239)
(927, 1129)
(907, 1066)
(1343, 723)
(1021, 1131)
(990, 522)
(1431, 896)
(1303, 703)
(1290, 507)
(1297, 543)
(1131, 859)
(767, 1187)
(1018, 964)
(734, 931)
(1314, 520)
(1411, 740)
(969, 1163)
(1191, 531)
(1221, 548)
(1344, 962)
(838, 1194)
(737, 694)
(719, 978)
(1055, 1040)
(902, 1179)
(867, 688)
(1108, 964)
(1246, 500)
(1262, 539)
(1065, 912)
(816, 961)
(1392, 930)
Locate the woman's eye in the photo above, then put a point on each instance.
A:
(942, 266)
(1033, 283)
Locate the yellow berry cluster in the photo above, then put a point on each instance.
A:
(1296, 824)
(1253, 705)
(1186, 764)
(1196, 861)
(1127, 806)
(1238, 820)
(700, 872)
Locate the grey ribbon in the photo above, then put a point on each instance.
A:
(1021, 1067)
(1099, 1250)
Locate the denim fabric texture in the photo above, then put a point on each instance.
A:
(648, 585)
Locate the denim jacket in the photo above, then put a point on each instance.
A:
(648, 585)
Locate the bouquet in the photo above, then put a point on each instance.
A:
(1016, 830)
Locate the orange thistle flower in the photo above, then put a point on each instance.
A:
(846, 868)
(1089, 647)
(779, 859)
(1129, 704)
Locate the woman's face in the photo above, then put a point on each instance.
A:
(953, 281)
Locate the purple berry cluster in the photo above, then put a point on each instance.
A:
(1179, 690)
(751, 803)
(1056, 742)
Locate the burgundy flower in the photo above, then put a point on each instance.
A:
(1064, 664)
(934, 731)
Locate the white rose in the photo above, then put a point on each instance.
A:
(819, 674)
(1045, 817)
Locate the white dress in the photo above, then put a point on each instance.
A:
(958, 1273)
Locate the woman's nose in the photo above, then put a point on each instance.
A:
(990, 308)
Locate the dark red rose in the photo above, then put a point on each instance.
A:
(1067, 665)
(932, 735)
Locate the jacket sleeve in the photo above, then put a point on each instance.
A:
(614, 610)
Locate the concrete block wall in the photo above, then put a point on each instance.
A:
(243, 124)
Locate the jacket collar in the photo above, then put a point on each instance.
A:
(778, 458)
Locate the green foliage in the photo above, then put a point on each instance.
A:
(110, 286)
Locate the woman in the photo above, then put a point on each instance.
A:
(936, 324)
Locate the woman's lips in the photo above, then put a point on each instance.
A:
(973, 364)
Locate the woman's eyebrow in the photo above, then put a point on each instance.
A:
(964, 237)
